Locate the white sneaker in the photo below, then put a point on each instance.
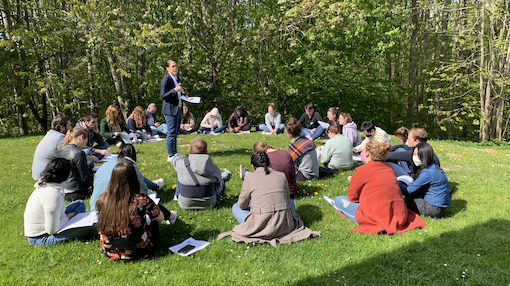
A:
(155, 136)
(160, 182)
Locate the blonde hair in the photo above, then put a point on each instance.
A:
(72, 134)
(261, 146)
(138, 115)
(378, 150)
(112, 116)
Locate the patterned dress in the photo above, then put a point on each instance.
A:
(139, 240)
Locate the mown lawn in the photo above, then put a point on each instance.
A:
(469, 246)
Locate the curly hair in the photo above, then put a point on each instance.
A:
(138, 115)
(112, 116)
(378, 150)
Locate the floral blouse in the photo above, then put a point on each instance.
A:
(137, 241)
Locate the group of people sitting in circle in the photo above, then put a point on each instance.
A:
(128, 219)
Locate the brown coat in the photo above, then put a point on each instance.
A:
(270, 220)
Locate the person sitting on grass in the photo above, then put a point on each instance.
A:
(79, 185)
(187, 122)
(137, 123)
(402, 133)
(263, 209)
(127, 220)
(111, 126)
(310, 120)
(239, 120)
(373, 133)
(272, 120)
(302, 151)
(374, 201)
(104, 174)
(349, 129)
(212, 123)
(199, 181)
(46, 212)
(337, 152)
(429, 194)
(332, 115)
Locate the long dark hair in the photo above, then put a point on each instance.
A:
(260, 159)
(426, 154)
(126, 150)
(57, 171)
(114, 204)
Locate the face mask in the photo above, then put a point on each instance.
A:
(417, 161)
(369, 135)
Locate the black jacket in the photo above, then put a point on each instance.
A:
(81, 176)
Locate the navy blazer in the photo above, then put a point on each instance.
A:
(169, 95)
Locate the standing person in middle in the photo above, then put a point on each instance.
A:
(171, 91)
(310, 120)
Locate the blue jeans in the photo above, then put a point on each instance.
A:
(349, 210)
(206, 130)
(102, 147)
(77, 207)
(142, 134)
(161, 130)
(308, 132)
(172, 123)
(241, 214)
(400, 167)
(150, 184)
(264, 127)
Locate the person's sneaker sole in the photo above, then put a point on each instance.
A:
(341, 214)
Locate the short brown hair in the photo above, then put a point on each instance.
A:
(347, 116)
(333, 129)
(293, 127)
(419, 134)
(402, 132)
(58, 121)
(378, 150)
(309, 107)
(198, 146)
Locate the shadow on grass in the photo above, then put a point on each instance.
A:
(309, 213)
(479, 251)
(241, 151)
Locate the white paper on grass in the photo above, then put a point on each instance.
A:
(324, 124)
(267, 133)
(80, 220)
(154, 140)
(331, 202)
(198, 244)
(405, 179)
(191, 99)
(356, 158)
(126, 137)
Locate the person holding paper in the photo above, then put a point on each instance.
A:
(188, 121)
(273, 121)
(47, 149)
(239, 121)
(137, 124)
(374, 201)
(128, 221)
(96, 146)
(310, 122)
(212, 122)
(46, 212)
(429, 194)
(337, 152)
(111, 126)
(332, 115)
(263, 209)
(156, 127)
(171, 91)
(349, 129)
(104, 174)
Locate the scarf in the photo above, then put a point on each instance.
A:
(299, 145)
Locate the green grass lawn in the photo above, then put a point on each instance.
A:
(469, 246)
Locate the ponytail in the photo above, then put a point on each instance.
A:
(260, 159)
(71, 134)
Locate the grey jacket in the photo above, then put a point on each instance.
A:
(81, 176)
(206, 173)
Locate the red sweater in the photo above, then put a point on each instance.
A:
(381, 206)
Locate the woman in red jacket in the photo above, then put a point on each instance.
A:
(374, 200)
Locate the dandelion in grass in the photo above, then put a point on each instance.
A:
(316, 193)
(144, 163)
(174, 186)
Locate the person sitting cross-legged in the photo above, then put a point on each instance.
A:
(263, 209)
(374, 201)
(272, 120)
(199, 181)
(337, 152)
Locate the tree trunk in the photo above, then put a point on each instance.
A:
(423, 65)
(117, 83)
(140, 69)
(484, 116)
(412, 64)
(440, 62)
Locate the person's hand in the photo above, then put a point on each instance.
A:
(231, 129)
(313, 131)
(69, 216)
(236, 129)
(212, 129)
(148, 136)
(179, 88)
(156, 124)
(102, 152)
(92, 158)
(187, 125)
(116, 133)
(353, 149)
(274, 131)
